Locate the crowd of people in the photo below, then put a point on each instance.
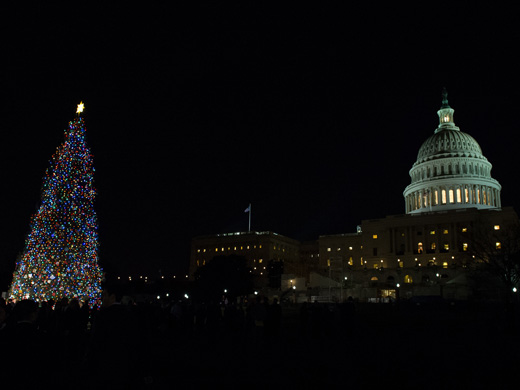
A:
(69, 343)
(115, 345)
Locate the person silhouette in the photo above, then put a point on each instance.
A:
(20, 340)
(113, 349)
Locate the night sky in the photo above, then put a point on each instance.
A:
(314, 115)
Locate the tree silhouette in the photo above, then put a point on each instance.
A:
(223, 273)
(493, 252)
(275, 271)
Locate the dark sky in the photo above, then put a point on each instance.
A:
(313, 114)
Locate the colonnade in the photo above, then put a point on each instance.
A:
(434, 197)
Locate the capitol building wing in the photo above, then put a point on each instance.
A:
(450, 172)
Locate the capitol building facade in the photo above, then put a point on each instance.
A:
(424, 252)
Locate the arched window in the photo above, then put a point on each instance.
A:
(420, 247)
(408, 279)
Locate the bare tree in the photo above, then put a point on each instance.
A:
(495, 249)
(493, 255)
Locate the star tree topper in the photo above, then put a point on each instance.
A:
(81, 107)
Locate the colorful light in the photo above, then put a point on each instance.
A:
(60, 258)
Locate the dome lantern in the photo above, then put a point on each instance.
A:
(445, 114)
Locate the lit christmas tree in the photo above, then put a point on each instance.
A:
(60, 258)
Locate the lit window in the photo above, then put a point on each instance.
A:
(260, 261)
(432, 232)
(419, 247)
(464, 230)
(374, 236)
(445, 264)
(350, 261)
(452, 198)
(198, 250)
(350, 248)
(443, 195)
(498, 245)
(433, 246)
(446, 247)
(459, 196)
(497, 227)
(465, 246)
(445, 231)
(338, 249)
(401, 263)
(408, 279)
(329, 249)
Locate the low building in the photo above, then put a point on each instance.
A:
(258, 248)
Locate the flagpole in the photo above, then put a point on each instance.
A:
(249, 217)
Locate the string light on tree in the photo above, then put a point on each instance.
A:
(60, 257)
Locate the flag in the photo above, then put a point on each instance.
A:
(247, 210)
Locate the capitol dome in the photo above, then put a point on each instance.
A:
(450, 172)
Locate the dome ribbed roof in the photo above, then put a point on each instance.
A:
(449, 143)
